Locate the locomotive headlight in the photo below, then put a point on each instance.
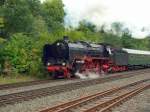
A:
(63, 63)
(58, 44)
(48, 64)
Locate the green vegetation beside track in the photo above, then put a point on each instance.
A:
(26, 25)
(9, 80)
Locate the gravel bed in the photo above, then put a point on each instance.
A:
(28, 88)
(139, 103)
(39, 86)
(40, 103)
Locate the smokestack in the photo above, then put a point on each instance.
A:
(66, 38)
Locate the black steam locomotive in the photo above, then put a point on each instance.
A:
(64, 58)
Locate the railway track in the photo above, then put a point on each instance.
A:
(30, 83)
(37, 93)
(103, 101)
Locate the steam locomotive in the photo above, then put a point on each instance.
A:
(63, 58)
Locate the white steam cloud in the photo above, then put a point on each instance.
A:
(134, 13)
(89, 75)
(78, 10)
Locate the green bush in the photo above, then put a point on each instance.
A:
(18, 52)
(22, 54)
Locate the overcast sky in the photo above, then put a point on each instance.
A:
(133, 13)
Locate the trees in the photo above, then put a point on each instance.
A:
(112, 36)
(117, 28)
(86, 26)
(34, 7)
(18, 52)
(31, 24)
(53, 13)
(148, 42)
(2, 33)
(2, 2)
(39, 27)
(18, 17)
(126, 39)
(1, 27)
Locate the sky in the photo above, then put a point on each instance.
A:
(133, 13)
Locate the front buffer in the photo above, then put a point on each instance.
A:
(58, 71)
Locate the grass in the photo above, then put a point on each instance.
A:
(8, 79)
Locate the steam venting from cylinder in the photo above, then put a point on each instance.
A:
(88, 75)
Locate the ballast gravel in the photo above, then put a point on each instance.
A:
(39, 86)
(50, 84)
(139, 103)
(49, 101)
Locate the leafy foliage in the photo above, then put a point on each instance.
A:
(86, 26)
(18, 52)
(30, 24)
(53, 13)
(18, 17)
